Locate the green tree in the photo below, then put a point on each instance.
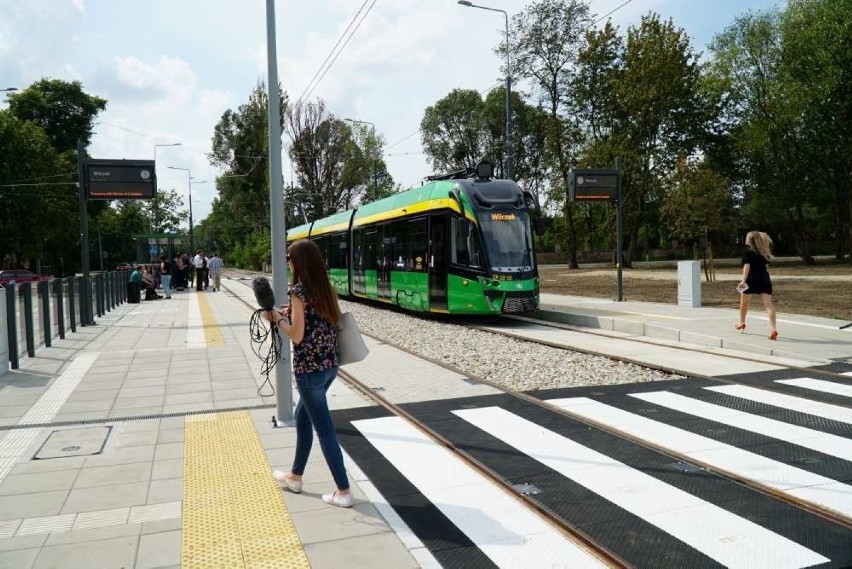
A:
(321, 145)
(764, 149)
(240, 146)
(545, 40)
(453, 131)
(62, 109)
(366, 163)
(165, 211)
(660, 116)
(63, 113)
(816, 65)
(695, 197)
(28, 174)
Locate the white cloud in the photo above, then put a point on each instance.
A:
(79, 5)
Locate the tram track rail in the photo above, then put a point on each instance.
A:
(738, 356)
(564, 525)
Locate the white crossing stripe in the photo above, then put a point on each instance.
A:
(826, 443)
(819, 385)
(806, 486)
(800, 404)
(509, 534)
(725, 537)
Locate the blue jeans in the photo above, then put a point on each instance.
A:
(312, 413)
(166, 281)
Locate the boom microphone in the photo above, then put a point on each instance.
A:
(263, 293)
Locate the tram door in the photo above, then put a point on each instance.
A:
(437, 261)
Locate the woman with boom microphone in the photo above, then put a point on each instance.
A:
(312, 326)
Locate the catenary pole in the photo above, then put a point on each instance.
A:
(283, 379)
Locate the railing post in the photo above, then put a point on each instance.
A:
(60, 308)
(98, 295)
(71, 305)
(44, 293)
(81, 286)
(109, 284)
(12, 324)
(27, 291)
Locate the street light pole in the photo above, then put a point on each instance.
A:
(510, 158)
(277, 220)
(156, 199)
(372, 159)
(189, 186)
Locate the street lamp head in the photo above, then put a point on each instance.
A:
(9, 89)
(465, 3)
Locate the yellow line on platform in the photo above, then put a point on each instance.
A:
(233, 511)
(212, 333)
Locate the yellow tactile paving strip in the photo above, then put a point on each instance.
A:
(212, 333)
(233, 511)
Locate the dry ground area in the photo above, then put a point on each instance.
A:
(823, 290)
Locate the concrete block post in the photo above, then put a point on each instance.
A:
(688, 284)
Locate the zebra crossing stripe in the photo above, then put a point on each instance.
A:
(725, 537)
(823, 492)
(501, 527)
(819, 385)
(825, 443)
(799, 404)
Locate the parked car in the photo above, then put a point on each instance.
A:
(19, 276)
(124, 267)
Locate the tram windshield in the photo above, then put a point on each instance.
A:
(508, 240)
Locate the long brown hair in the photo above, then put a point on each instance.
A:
(760, 242)
(309, 270)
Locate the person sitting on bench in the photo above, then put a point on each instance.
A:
(148, 284)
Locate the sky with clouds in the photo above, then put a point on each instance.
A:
(170, 68)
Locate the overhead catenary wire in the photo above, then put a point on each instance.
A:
(319, 69)
(361, 21)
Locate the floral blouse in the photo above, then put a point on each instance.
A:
(318, 349)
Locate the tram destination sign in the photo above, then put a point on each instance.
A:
(120, 179)
(593, 184)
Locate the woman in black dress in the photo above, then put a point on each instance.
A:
(756, 278)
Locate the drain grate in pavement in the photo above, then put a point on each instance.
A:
(63, 443)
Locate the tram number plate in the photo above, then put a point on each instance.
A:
(497, 277)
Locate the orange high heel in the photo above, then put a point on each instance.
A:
(740, 327)
(773, 335)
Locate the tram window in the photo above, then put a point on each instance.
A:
(358, 257)
(337, 251)
(322, 243)
(399, 249)
(371, 250)
(464, 244)
(417, 244)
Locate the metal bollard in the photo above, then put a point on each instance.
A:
(46, 331)
(60, 308)
(72, 312)
(27, 292)
(12, 324)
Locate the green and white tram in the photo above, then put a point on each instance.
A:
(458, 246)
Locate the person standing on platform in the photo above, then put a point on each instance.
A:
(310, 321)
(188, 270)
(198, 263)
(214, 265)
(166, 275)
(756, 279)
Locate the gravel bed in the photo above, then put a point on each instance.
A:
(506, 361)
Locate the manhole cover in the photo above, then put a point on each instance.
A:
(74, 442)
